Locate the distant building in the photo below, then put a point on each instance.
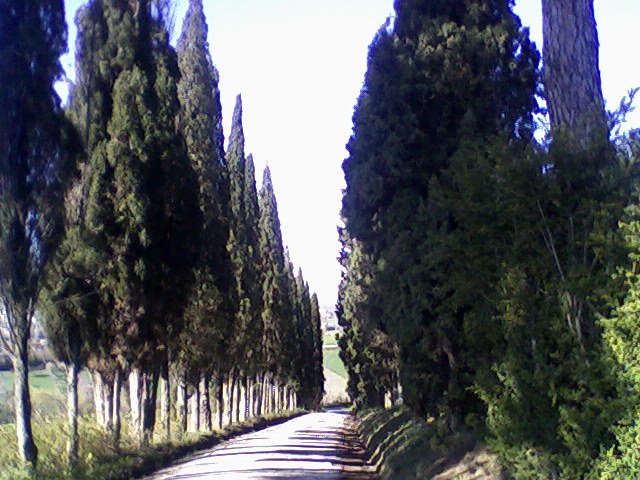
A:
(329, 320)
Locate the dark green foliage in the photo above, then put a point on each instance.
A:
(36, 164)
(165, 253)
(240, 227)
(202, 347)
(277, 311)
(488, 259)
(136, 236)
(620, 332)
(448, 72)
(315, 338)
(252, 271)
(141, 192)
(370, 357)
(36, 160)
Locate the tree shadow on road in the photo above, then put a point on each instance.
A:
(311, 454)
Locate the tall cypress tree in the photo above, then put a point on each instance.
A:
(304, 368)
(91, 107)
(252, 270)
(238, 248)
(70, 305)
(141, 195)
(202, 348)
(293, 335)
(317, 371)
(34, 172)
(274, 280)
(445, 69)
(175, 189)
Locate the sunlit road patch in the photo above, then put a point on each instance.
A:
(317, 446)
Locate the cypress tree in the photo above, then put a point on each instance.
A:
(304, 358)
(69, 304)
(34, 173)
(276, 311)
(252, 266)
(238, 249)
(203, 346)
(317, 359)
(365, 365)
(294, 336)
(141, 205)
(237, 238)
(91, 108)
(445, 69)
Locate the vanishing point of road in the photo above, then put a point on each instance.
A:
(315, 446)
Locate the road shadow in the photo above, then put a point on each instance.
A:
(317, 453)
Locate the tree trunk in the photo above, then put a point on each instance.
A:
(281, 392)
(143, 388)
(272, 396)
(115, 412)
(221, 384)
(239, 382)
(287, 392)
(258, 400)
(165, 402)
(72, 413)
(182, 402)
(149, 402)
(230, 400)
(248, 397)
(206, 403)
(26, 446)
(135, 401)
(265, 395)
(194, 410)
(571, 71)
(103, 399)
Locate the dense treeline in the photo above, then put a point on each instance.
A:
(170, 278)
(488, 276)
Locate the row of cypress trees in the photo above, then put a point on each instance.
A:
(170, 277)
(489, 279)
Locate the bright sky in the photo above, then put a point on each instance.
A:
(299, 65)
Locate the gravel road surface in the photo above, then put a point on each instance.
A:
(316, 446)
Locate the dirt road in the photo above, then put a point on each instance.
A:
(316, 446)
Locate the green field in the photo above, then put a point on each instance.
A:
(48, 394)
(333, 362)
(38, 380)
(329, 338)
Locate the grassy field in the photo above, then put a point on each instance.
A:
(38, 380)
(48, 394)
(333, 362)
(329, 338)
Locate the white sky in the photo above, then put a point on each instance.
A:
(299, 65)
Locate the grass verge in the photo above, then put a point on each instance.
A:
(100, 461)
(404, 447)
